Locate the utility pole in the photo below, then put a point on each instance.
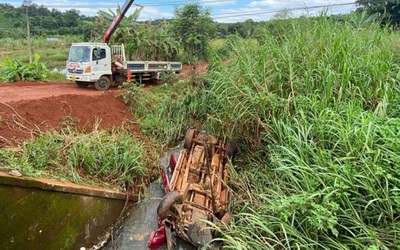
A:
(26, 3)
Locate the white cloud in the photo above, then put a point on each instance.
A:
(295, 3)
(152, 13)
(269, 3)
(266, 9)
(215, 3)
(232, 15)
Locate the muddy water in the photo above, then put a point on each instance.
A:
(142, 220)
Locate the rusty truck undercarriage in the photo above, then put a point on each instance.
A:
(196, 193)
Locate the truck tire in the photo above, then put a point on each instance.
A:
(188, 138)
(103, 83)
(231, 149)
(166, 203)
(118, 78)
(81, 84)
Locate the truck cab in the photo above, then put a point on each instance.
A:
(90, 63)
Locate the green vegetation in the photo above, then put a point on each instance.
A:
(315, 114)
(388, 12)
(164, 110)
(313, 104)
(193, 26)
(13, 70)
(317, 121)
(110, 158)
(44, 22)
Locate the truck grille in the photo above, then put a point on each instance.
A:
(75, 71)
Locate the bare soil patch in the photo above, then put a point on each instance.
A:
(28, 108)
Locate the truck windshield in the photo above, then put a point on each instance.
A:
(79, 54)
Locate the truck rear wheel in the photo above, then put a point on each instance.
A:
(81, 84)
(231, 149)
(169, 199)
(103, 83)
(188, 138)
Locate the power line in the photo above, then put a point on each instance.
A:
(259, 12)
(216, 16)
(101, 6)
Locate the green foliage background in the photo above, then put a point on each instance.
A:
(315, 114)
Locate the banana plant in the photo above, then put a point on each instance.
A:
(14, 70)
(143, 41)
(124, 29)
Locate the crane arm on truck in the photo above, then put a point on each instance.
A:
(114, 25)
(91, 63)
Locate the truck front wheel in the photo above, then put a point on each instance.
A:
(103, 83)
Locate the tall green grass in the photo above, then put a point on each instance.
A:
(111, 158)
(316, 113)
(165, 112)
(329, 62)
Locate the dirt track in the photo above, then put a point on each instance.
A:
(29, 107)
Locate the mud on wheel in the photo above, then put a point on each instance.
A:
(166, 203)
(231, 148)
(188, 138)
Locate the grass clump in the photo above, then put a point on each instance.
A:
(113, 158)
(165, 112)
(316, 113)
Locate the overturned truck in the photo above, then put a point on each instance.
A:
(196, 191)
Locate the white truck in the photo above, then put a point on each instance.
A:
(92, 63)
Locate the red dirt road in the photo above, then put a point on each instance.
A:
(28, 108)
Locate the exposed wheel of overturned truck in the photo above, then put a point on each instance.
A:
(231, 149)
(188, 138)
(166, 203)
(103, 83)
(81, 84)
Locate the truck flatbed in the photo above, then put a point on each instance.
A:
(153, 66)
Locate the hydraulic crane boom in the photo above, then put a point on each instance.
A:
(113, 26)
(95, 63)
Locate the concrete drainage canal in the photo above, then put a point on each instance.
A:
(142, 220)
(39, 214)
(49, 214)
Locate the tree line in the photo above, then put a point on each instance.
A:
(52, 22)
(43, 21)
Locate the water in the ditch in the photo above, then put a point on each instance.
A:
(136, 229)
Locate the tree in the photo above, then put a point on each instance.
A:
(124, 29)
(388, 11)
(193, 25)
(143, 41)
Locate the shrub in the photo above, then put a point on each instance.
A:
(13, 70)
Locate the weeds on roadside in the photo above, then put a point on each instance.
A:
(317, 113)
(164, 113)
(112, 157)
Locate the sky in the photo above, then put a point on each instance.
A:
(222, 10)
